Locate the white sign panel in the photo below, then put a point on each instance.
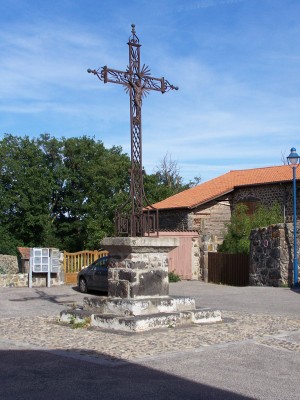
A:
(54, 260)
(43, 260)
(40, 260)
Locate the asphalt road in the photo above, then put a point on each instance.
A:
(251, 299)
(245, 369)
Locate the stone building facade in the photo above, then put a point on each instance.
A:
(210, 219)
(268, 195)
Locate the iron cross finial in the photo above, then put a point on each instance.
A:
(133, 38)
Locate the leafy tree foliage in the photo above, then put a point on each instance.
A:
(63, 192)
(95, 183)
(26, 186)
(237, 238)
(58, 192)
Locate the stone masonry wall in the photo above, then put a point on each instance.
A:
(271, 255)
(269, 195)
(210, 221)
(9, 276)
(173, 219)
(8, 264)
(21, 280)
(196, 267)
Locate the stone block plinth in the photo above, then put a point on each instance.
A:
(138, 266)
(140, 315)
(145, 306)
(138, 288)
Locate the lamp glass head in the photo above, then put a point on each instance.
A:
(293, 158)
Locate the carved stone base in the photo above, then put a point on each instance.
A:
(138, 289)
(138, 266)
(141, 314)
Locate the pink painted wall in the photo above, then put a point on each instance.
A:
(181, 259)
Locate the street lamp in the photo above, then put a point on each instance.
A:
(293, 161)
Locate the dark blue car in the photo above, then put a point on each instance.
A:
(94, 277)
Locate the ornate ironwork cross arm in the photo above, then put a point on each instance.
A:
(158, 84)
(106, 74)
(111, 75)
(168, 86)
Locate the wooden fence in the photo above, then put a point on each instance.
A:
(228, 269)
(74, 262)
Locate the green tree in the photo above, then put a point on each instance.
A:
(96, 180)
(237, 238)
(25, 189)
(58, 192)
(64, 192)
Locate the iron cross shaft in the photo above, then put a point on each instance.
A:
(136, 217)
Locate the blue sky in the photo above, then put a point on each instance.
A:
(236, 62)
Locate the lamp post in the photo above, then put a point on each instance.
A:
(293, 161)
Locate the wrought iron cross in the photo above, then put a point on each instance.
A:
(142, 219)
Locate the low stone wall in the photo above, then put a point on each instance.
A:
(196, 273)
(21, 280)
(10, 276)
(271, 255)
(8, 264)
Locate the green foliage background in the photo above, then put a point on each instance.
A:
(63, 192)
(237, 238)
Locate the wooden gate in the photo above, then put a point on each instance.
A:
(75, 262)
(228, 269)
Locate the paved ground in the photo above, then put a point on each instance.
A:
(254, 353)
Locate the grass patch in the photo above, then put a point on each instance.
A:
(174, 277)
(86, 322)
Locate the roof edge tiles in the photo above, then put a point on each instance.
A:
(226, 183)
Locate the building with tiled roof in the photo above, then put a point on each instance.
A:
(225, 184)
(208, 207)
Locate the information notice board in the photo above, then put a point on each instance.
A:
(43, 260)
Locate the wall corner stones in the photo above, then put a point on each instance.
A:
(271, 255)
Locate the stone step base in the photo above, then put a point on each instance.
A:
(141, 323)
(140, 306)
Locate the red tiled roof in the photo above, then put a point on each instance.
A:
(25, 252)
(226, 183)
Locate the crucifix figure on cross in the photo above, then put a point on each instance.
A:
(142, 218)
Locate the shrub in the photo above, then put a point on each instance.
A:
(237, 238)
(174, 277)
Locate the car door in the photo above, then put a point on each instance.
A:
(100, 276)
(89, 276)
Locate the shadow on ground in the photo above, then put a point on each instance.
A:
(39, 294)
(296, 290)
(30, 374)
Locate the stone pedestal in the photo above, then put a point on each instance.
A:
(138, 290)
(138, 266)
